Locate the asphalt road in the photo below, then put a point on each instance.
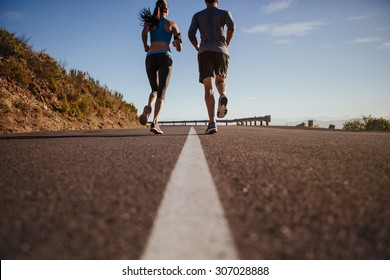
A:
(286, 193)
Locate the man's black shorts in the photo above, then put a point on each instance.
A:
(212, 63)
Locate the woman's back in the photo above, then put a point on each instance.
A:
(159, 34)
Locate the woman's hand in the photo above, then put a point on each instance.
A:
(146, 47)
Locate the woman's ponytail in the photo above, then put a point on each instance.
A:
(147, 18)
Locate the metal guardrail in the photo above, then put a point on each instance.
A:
(243, 121)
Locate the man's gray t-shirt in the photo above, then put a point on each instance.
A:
(211, 24)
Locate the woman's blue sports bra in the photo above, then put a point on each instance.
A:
(159, 34)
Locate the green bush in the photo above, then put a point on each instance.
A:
(65, 104)
(368, 123)
(86, 104)
(76, 112)
(45, 67)
(18, 71)
(4, 109)
(13, 46)
(380, 124)
(353, 125)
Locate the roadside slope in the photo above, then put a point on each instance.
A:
(38, 94)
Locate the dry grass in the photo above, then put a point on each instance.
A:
(37, 93)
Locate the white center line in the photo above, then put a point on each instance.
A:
(190, 222)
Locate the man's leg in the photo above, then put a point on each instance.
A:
(222, 101)
(221, 84)
(209, 97)
(221, 72)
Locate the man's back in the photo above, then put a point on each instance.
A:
(211, 24)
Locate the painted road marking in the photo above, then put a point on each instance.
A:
(190, 222)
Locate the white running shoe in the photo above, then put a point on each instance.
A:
(155, 128)
(222, 106)
(143, 119)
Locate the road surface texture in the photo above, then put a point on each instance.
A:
(285, 193)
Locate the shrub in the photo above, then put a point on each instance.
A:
(65, 104)
(86, 104)
(16, 70)
(13, 46)
(45, 67)
(76, 112)
(353, 125)
(4, 109)
(367, 124)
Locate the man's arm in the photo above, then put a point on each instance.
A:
(192, 33)
(195, 44)
(229, 36)
(231, 27)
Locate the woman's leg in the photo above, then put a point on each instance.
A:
(164, 76)
(151, 70)
(157, 109)
(152, 98)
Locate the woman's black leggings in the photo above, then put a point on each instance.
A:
(159, 69)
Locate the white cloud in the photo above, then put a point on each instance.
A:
(385, 46)
(276, 6)
(364, 16)
(285, 42)
(260, 28)
(291, 29)
(357, 18)
(296, 29)
(365, 40)
(14, 15)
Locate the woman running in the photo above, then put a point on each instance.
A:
(159, 57)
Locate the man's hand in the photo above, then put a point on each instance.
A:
(195, 44)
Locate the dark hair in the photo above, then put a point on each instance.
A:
(146, 17)
(211, 1)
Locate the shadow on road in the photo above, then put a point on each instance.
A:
(37, 137)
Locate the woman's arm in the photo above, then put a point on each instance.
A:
(177, 42)
(145, 32)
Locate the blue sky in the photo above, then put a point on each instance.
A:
(289, 58)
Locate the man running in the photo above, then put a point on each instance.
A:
(213, 55)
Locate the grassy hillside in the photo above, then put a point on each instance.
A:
(37, 93)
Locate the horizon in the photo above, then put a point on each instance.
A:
(289, 58)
